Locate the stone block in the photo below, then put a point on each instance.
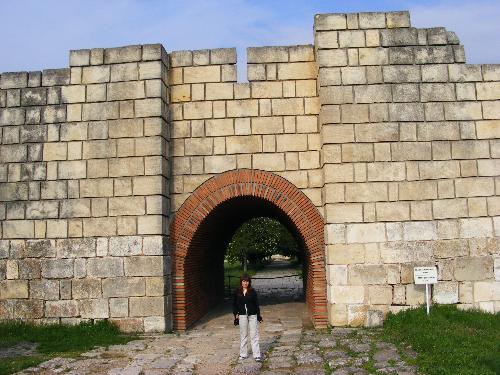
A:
(472, 187)
(449, 208)
(44, 289)
(76, 248)
(100, 111)
(392, 211)
(367, 274)
(12, 80)
(149, 107)
(10, 289)
(351, 39)
(330, 22)
(57, 268)
(126, 167)
(344, 213)
(118, 307)
(125, 246)
(105, 267)
(398, 19)
(244, 144)
(488, 129)
(267, 54)
(125, 72)
(96, 74)
(401, 73)
(445, 292)
(98, 187)
(199, 74)
(18, 229)
(491, 110)
(122, 54)
(386, 171)
(102, 226)
(123, 287)
(147, 306)
(371, 20)
(198, 110)
(268, 162)
(12, 116)
(13, 153)
(464, 73)
(473, 268)
(265, 125)
(297, 70)
(406, 112)
(373, 56)
(365, 233)
(486, 291)
(332, 57)
(366, 192)
(280, 107)
(399, 37)
(94, 308)
(41, 210)
(126, 206)
(126, 90)
(13, 191)
(415, 294)
(291, 142)
(86, 288)
(326, 39)
(56, 77)
(60, 309)
(420, 231)
(150, 224)
(372, 93)
(380, 294)
(34, 96)
(476, 228)
(347, 294)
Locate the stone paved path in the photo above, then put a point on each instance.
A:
(278, 281)
(288, 343)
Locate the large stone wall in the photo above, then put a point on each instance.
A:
(382, 126)
(83, 194)
(269, 123)
(410, 159)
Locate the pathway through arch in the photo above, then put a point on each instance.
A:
(207, 220)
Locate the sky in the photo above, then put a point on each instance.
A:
(39, 34)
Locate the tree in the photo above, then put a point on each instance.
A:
(258, 239)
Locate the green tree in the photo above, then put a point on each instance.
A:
(258, 239)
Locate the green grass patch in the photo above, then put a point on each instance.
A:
(448, 341)
(55, 340)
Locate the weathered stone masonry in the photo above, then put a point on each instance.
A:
(380, 147)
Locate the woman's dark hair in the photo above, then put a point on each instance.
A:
(242, 278)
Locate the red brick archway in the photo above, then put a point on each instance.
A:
(207, 220)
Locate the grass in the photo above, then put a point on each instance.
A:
(448, 341)
(55, 341)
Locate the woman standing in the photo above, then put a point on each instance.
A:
(246, 313)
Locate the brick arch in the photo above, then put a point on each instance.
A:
(266, 189)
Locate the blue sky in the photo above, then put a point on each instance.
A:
(38, 34)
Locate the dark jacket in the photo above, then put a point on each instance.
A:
(251, 301)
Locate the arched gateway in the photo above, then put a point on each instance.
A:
(206, 222)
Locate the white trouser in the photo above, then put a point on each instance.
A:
(249, 322)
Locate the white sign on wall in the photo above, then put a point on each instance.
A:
(425, 275)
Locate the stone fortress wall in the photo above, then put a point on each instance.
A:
(382, 126)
